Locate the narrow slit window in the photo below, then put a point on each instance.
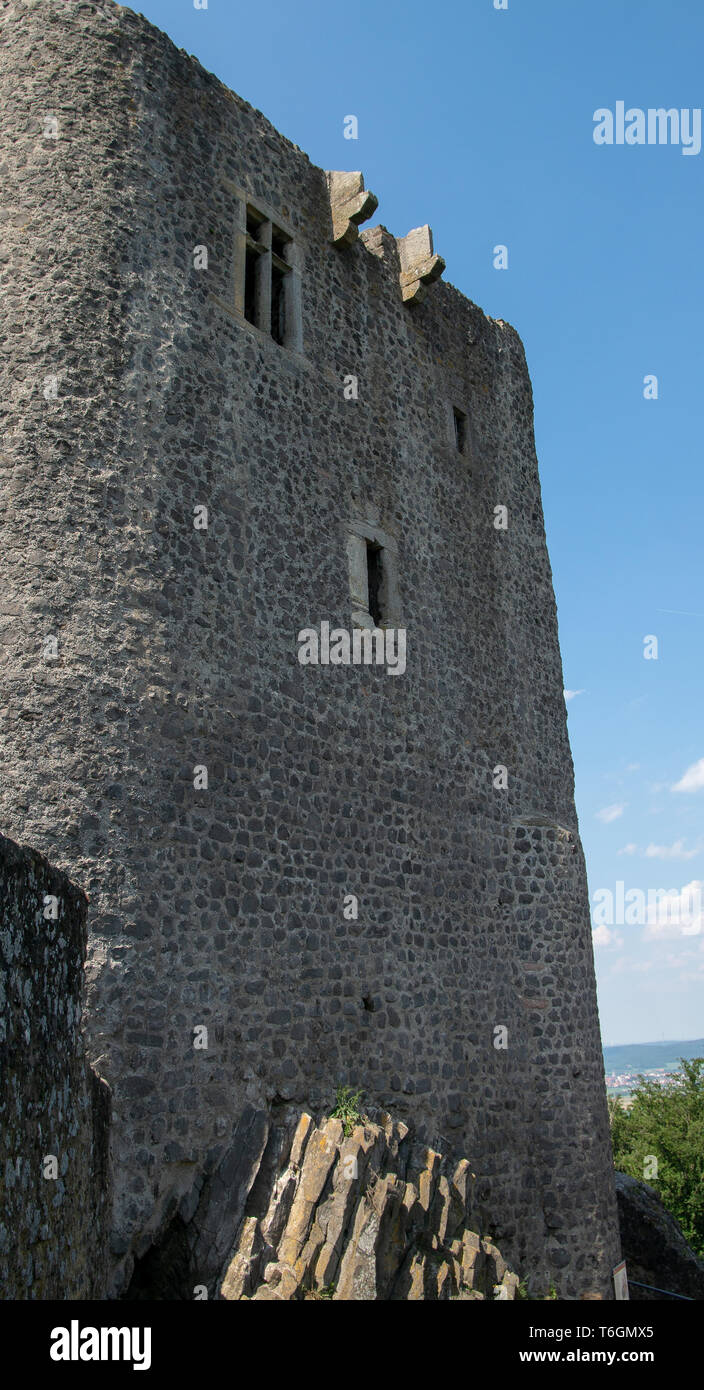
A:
(278, 305)
(250, 285)
(460, 420)
(375, 574)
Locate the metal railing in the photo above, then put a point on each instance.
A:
(635, 1283)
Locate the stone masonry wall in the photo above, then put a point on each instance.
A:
(54, 1216)
(222, 906)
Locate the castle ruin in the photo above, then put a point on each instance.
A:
(231, 414)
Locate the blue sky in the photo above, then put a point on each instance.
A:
(480, 121)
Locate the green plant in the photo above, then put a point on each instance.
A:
(346, 1108)
(522, 1293)
(660, 1140)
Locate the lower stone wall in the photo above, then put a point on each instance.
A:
(54, 1109)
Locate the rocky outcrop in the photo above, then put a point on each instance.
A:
(361, 1215)
(654, 1248)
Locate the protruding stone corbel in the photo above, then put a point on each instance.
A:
(419, 265)
(350, 204)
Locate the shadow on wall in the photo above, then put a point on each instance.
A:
(54, 1109)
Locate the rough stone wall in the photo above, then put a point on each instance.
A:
(223, 907)
(54, 1216)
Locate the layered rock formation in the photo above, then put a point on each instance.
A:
(362, 1215)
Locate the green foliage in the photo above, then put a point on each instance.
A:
(347, 1108)
(522, 1293)
(667, 1122)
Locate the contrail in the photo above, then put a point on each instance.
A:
(684, 612)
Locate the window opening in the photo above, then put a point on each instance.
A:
(268, 268)
(278, 304)
(460, 428)
(250, 285)
(374, 578)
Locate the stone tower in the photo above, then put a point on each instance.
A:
(231, 416)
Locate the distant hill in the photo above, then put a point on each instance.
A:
(636, 1057)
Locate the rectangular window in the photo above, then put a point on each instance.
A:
(264, 290)
(269, 300)
(372, 558)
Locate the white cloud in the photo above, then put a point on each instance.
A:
(677, 913)
(602, 936)
(633, 767)
(610, 813)
(678, 960)
(692, 780)
(572, 694)
(676, 851)
(622, 964)
(605, 936)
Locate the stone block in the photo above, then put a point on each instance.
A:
(420, 266)
(350, 204)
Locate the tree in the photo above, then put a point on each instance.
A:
(666, 1123)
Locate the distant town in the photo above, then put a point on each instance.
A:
(623, 1082)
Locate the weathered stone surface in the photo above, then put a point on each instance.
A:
(420, 267)
(509, 1285)
(304, 1129)
(223, 1201)
(356, 1231)
(654, 1247)
(428, 1179)
(358, 1266)
(473, 1260)
(54, 1110)
(334, 1215)
(320, 1155)
(389, 1200)
(414, 1284)
(237, 1281)
(350, 204)
(136, 392)
(280, 1283)
(495, 1266)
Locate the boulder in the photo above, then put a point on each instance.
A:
(654, 1248)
